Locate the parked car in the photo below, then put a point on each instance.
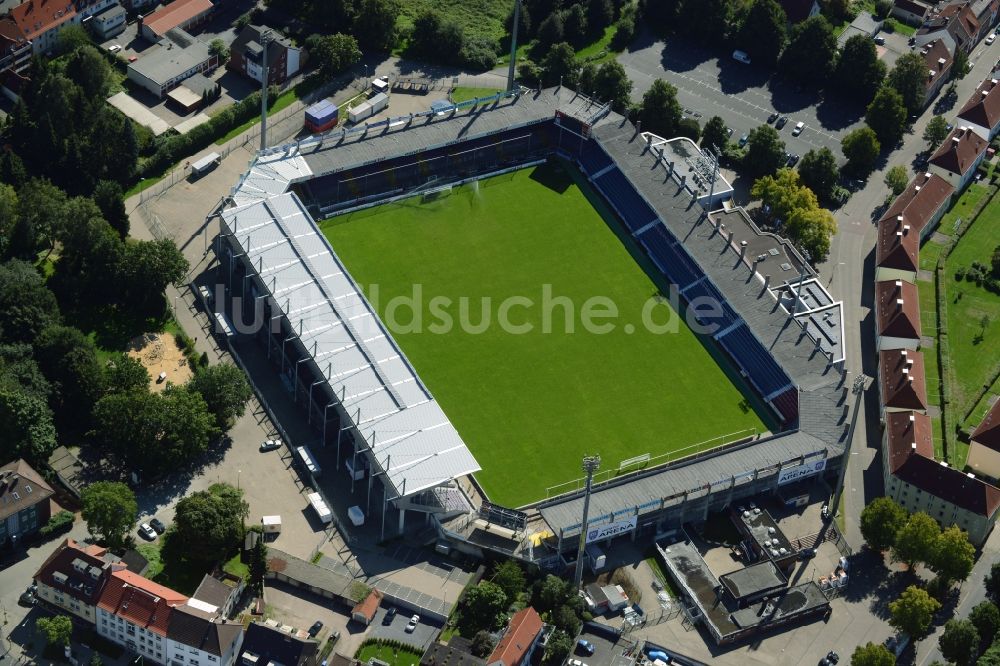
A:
(146, 532)
(782, 121)
(729, 131)
(799, 126)
(992, 38)
(741, 56)
(314, 629)
(771, 118)
(412, 624)
(744, 139)
(270, 445)
(793, 159)
(389, 616)
(28, 597)
(880, 40)
(585, 646)
(115, 48)
(807, 553)
(157, 526)
(830, 659)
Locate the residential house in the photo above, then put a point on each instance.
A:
(73, 578)
(911, 12)
(135, 612)
(519, 640)
(40, 21)
(984, 449)
(798, 11)
(987, 12)
(364, 611)
(197, 635)
(902, 381)
(981, 113)
(283, 58)
(919, 483)
(958, 19)
(164, 66)
(221, 591)
(108, 23)
(183, 14)
(897, 315)
(265, 645)
(15, 56)
(24, 502)
(939, 57)
(957, 157)
(911, 218)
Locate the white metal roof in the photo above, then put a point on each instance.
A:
(411, 439)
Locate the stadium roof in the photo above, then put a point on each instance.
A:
(410, 438)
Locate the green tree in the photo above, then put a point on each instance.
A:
(861, 147)
(482, 644)
(908, 77)
(960, 642)
(660, 111)
(985, 617)
(69, 361)
(811, 54)
(218, 48)
(509, 576)
(566, 619)
(550, 593)
(208, 524)
(258, 565)
(989, 658)
(483, 608)
(26, 305)
(953, 555)
(812, 229)
(552, 30)
(765, 152)
(557, 648)
(818, 171)
(935, 132)
(872, 654)
(859, 72)
(783, 194)
(991, 583)
(334, 54)
(600, 14)
(124, 374)
(225, 390)
(375, 26)
(57, 629)
(960, 67)
(110, 200)
(110, 510)
(763, 34)
(886, 115)
(881, 519)
(690, 128)
(611, 84)
(913, 611)
(896, 179)
(714, 134)
(560, 65)
(71, 38)
(917, 540)
(146, 268)
(26, 428)
(20, 372)
(41, 217)
(8, 216)
(706, 19)
(90, 70)
(575, 24)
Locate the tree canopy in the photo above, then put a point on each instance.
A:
(110, 510)
(57, 629)
(208, 524)
(935, 132)
(811, 54)
(859, 72)
(714, 134)
(959, 643)
(861, 148)
(913, 611)
(560, 65)
(818, 171)
(881, 519)
(886, 115)
(611, 84)
(872, 654)
(26, 304)
(953, 555)
(917, 540)
(225, 390)
(764, 32)
(660, 111)
(908, 77)
(765, 151)
(483, 609)
(985, 616)
(896, 179)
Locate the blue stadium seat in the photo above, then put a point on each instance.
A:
(593, 158)
(763, 371)
(624, 199)
(673, 261)
(705, 290)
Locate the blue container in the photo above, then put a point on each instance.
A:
(321, 116)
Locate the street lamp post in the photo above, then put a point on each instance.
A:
(590, 465)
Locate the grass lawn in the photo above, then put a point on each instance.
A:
(391, 655)
(902, 28)
(177, 575)
(961, 209)
(235, 567)
(929, 253)
(549, 395)
(478, 18)
(463, 93)
(975, 350)
(600, 49)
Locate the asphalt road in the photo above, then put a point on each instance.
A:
(712, 84)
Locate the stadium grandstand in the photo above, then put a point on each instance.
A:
(776, 324)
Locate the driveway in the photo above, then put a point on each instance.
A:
(710, 83)
(420, 637)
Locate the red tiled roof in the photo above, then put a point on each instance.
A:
(21, 487)
(939, 59)
(170, 16)
(523, 629)
(988, 432)
(959, 151)
(983, 107)
(910, 457)
(140, 601)
(961, 15)
(75, 572)
(902, 377)
(897, 309)
(897, 245)
(35, 17)
(369, 605)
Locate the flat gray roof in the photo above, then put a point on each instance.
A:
(754, 579)
(177, 53)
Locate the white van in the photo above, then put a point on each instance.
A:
(741, 56)
(799, 126)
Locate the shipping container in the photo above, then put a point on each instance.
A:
(321, 116)
(369, 108)
(319, 506)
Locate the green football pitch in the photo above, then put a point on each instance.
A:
(531, 403)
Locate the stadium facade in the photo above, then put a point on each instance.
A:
(778, 326)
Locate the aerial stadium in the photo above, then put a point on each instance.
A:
(481, 434)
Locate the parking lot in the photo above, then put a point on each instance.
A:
(709, 83)
(420, 637)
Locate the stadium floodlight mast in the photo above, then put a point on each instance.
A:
(590, 465)
(858, 389)
(513, 45)
(265, 36)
